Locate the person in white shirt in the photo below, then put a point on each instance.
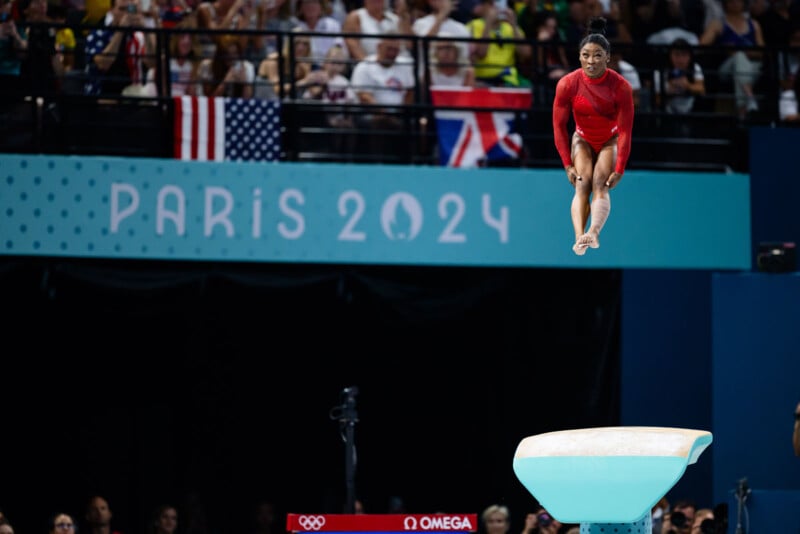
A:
(385, 81)
(374, 19)
(440, 22)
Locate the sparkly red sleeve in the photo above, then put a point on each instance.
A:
(561, 111)
(625, 124)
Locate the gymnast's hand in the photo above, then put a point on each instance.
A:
(613, 179)
(572, 175)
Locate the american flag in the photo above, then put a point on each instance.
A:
(227, 129)
(470, 136)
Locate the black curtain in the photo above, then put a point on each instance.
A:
(154, 382)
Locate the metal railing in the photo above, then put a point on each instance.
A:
(65, 121)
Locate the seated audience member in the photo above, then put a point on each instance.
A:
(551, 62)
(331, 86)
(743, 65)
(62, 524)
(448, 67)
(116, 57)
(384, 79)
(271, 16)
(628, 71)
(680, 81)
(374, 19)
(13, 45)
(788, 107)
(439, 21)
(184, 65)
(274, 68)
(228, 73)
(222, 15)
(314, 16)
(496, 60)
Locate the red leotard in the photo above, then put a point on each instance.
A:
(602, 107)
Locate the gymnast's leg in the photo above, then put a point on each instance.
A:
(582, 159)
(601, 198)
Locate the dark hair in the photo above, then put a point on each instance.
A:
(595, 33)
(685, 46)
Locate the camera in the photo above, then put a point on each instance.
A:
(678, 519)
(544, 519)
(131, 8)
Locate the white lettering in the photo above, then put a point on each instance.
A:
(256, 230)
(296, 216)
(357, 200)
(448, 235)
(438, 522)
(162, 213)
(221, 217)
(118, 216)
(501, 223)
(410, 523)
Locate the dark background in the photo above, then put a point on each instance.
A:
(148, 382)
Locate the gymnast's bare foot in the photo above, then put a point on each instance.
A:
(592, 239)
(579, 248)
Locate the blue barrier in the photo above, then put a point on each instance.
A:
(160, 209)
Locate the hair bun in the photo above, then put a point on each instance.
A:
(597, 25)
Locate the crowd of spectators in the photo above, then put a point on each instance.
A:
(676, 53)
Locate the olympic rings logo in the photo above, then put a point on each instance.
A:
(311, 522)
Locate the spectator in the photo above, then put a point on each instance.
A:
(117, 55)
(228, 73)
(5, 526)
(776, 22)
(374, 19)
(184, 65)
(62, 524)
(496, 61)
(703, 522)
(385, 81)
(680, 80)
(386, 77)
(222, 15)
(99, 516)
(681, 518)
(13, 45)
(551, 62)
(331, 86)
(496, 519)
(448, 66)
(629, 72)
(314, 16)
(440, 21)
(743, 65)
(165, 520)
(651, 16)
(295, 68)
(272, 16)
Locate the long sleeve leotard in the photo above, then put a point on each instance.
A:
(602, 107)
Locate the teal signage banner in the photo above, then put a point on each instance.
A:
(161, 209)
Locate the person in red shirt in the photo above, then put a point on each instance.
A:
(601, 102)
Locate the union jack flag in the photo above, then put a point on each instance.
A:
(469, 137)
(227, 129)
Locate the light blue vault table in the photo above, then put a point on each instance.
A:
(606, 479)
